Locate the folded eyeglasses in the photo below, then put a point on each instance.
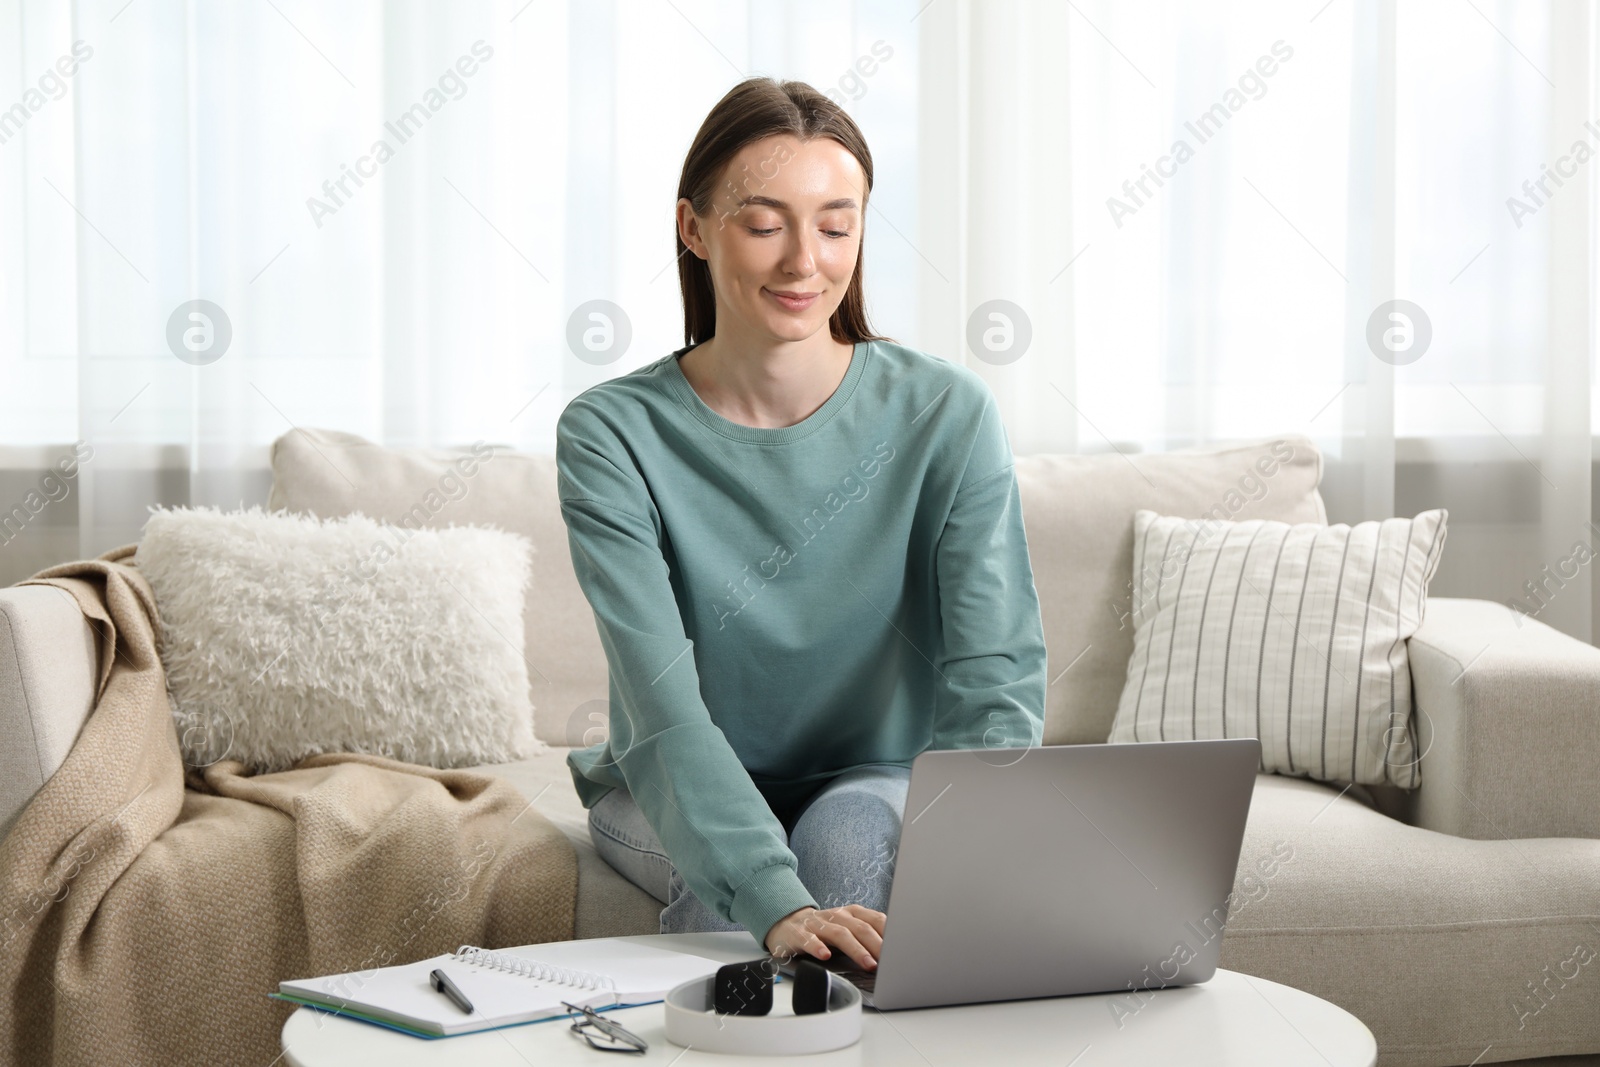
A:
(612, 1037)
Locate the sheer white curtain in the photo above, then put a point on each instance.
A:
(1339, 155)
(1200, 207)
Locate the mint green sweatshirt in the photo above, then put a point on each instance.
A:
(778, 606)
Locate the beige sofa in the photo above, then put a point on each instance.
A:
(1442, 918)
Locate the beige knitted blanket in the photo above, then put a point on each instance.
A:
(146, 912)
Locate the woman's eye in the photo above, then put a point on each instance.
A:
(836, 234)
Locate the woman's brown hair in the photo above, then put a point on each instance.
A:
(754, 109)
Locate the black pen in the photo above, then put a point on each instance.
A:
(442, 984)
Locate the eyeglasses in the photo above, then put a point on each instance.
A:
(613, 1037)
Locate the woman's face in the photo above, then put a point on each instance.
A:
(786, 219)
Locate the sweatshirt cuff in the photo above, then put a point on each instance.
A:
(767, 896)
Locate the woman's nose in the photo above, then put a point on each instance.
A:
(800, 258)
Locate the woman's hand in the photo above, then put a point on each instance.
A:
(855, 930)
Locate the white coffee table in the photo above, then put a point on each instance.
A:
(1234, 1020)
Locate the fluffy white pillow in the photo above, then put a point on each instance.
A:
(1291, 633)
(285, 635)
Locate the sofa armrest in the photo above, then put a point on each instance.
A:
(1508, 714)
(48, 672)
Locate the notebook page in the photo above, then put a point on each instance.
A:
(641, 972)
(403, 994)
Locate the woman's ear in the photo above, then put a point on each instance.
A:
(689, 231)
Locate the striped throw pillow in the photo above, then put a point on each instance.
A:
(1293, 634)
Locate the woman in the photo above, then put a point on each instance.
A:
(804, 550)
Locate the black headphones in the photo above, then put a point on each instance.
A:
(722, 1012)
(746, 988)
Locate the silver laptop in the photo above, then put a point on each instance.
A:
(1061, 869)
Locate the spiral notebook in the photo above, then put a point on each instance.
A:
(508, 987)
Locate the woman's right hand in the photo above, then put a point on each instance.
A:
(855, 930)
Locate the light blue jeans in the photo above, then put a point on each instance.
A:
(844, 838)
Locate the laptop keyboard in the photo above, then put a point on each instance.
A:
(845, 967)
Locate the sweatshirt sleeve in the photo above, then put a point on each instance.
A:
(992, 660)
(714, 823)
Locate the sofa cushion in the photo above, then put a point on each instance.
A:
(608, 904)
(1437, 943)
(285, 635)
(330, 474)
(1078, 512)
(1306, 643)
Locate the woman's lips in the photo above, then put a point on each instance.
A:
(793, 303)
